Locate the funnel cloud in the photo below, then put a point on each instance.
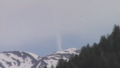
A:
(59, 42)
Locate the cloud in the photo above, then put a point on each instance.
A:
(27, 20)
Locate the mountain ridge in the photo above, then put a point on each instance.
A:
(24, 59)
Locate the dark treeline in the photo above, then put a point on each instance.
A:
(105, 54)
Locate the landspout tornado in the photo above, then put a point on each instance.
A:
(59, 42)
(57, 28)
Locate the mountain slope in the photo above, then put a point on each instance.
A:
(52, 59)
(21, 59)
(17, 59)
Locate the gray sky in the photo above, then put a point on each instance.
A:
(30, 25)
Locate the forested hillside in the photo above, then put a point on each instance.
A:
(105, 54)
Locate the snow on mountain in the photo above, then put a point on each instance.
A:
(52, 59)
(34, 55)
(23, 59)
(16, 59)
(69, 50)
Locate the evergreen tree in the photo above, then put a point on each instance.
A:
(45, 66)
(105, 54)
(52, 66)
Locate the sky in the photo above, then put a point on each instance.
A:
(45, 26)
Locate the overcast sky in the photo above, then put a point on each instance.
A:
(31, 25)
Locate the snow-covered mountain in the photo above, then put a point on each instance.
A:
(22, 59)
